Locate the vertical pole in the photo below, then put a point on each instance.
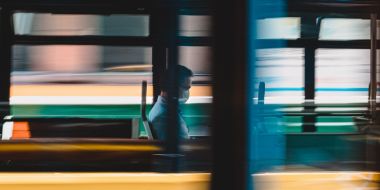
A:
(164, 29)
(5, 62)
(370, 146)
(309, 73)
(230, 102)
(157, 33)
(309, 30)
(373, 82)
(172, 131)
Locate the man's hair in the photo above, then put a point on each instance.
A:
(182, 74)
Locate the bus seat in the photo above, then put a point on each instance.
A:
(15, 130)
(147, 126)
(19, 127)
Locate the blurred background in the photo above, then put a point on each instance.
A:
(285, 99)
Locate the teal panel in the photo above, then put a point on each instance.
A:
(293, 124)
(336, 124)
(322, 150)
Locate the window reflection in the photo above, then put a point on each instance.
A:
(344, 29)
(197, 58)
(282, 70)
(279, 28)
(80, 25)
(195, 25)
(86, 63)
(342, 75)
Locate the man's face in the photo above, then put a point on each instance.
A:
(184, 88)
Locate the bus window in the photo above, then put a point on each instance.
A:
(282, 69)
(279, 28)
(344, 29)
(197, 111)
(197, 58)
(66, 67)
(92, 58)
(80, 25)
(342, 75)
(127, 59)
(195, 25)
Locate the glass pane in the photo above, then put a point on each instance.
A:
(196, 58)
(128, 59)
(279, 28)
(282, 70)
(195, 25)
(80, 25)
(197, 111)
(70, 70)
(344, 29)
(342, 75)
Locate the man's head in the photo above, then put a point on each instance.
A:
(184, 82)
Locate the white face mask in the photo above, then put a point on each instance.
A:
(185, 97)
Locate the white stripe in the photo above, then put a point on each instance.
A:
(318, 100)
(91, 100)
(136, 100)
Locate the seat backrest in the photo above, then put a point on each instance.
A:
(147, 126)
(45, 126)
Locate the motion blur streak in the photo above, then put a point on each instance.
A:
(317, 180)
(186, 181)
(92, 90)
(97, 181)
(77, 147)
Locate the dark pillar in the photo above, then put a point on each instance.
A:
(229, 125)
(5, 62)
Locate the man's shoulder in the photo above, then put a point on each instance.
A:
(158, 110)
(156, 113)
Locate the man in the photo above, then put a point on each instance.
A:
(158, 115)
